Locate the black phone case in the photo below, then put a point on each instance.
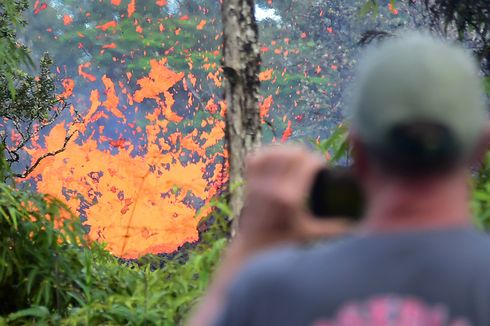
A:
(336, 193)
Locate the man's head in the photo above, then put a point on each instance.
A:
(418, 107)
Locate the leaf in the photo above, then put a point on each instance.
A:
(11, 86)
(341, 151)
(366, 8)
(375, 8)
(224, 208)
(486, 84)
(13, 217)
(30, 279)
(35, 311)
(5, 215)
(334, 138)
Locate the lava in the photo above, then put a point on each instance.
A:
(143, 203)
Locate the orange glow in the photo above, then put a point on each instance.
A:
(134, 203)
(85, 75)
(287, 133)
(201, 24)
(68, 85)
(110, 46)
(106, 26)
(94, 99)
(265, 106)
(112, 100)
(67, 20)
(39, 7)
(131, 8)
(168, 223)
(266, 75)
(146, 154)
(393, 10)
(215, 77)
(158, 82)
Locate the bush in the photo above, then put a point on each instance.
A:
(41, 252)
(49, 274)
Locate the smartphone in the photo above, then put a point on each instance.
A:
(336, 193)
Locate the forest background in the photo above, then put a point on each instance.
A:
(113, 208)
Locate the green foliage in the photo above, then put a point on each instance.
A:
(468, 20)
(40, 246)
(12, 54)
(481, 193)
(28, 103)
(34, 98)
(56, 276)
(371, 6)
(486, 84)
(471, 17)
(59, 278)
(336, 146)
(138, 294)
(312, 51)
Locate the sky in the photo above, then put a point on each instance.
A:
(260, 13)
(264, 13)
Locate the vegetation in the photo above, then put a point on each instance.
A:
(29, 103)
(58, 276)
(466, 21)
(470, 20)
(11, 52)
(61, 278)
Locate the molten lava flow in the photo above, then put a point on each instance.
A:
(287, 133)
(84, 74)
(143, 198)
(112, 100)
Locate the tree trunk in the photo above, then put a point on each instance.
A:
(241, 65)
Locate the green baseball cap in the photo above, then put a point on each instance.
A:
(415, 79)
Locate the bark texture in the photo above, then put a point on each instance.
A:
(241, 65)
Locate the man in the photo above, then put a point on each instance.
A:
(418, 121)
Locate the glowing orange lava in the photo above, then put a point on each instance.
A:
(136, 203)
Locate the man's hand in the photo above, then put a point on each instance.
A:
(279, 179)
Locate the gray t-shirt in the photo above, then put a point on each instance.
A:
(412, 278)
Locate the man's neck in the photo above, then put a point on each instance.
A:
(434, 204)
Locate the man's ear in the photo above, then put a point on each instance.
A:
(483, 145)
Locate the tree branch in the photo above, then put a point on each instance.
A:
(29, 134)
(36, 163)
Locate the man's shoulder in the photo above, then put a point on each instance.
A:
(330, 273)
(285, 264)
(288, 263)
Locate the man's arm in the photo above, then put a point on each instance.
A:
(278, 180)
